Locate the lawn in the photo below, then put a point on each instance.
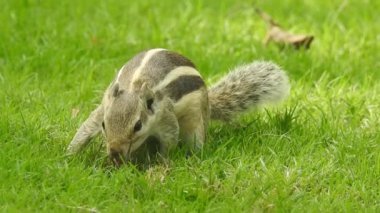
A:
(317, 151)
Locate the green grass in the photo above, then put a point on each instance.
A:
(318, 151)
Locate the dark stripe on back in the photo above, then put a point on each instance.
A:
(183, 85)
(129, 69)
(135, 62)
(160, 64)
(168, 60)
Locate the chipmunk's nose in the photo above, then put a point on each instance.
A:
(116, 157)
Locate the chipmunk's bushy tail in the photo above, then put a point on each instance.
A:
(246, 87)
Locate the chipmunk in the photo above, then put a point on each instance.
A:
(160, 94)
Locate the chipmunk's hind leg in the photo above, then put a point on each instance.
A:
(90, 128)
(193, 124)
(193, 132)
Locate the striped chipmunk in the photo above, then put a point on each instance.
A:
(160, 94)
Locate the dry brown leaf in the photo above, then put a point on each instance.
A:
(280, 36)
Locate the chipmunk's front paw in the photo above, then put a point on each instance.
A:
(72, 149)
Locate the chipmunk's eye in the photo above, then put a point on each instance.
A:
(149, 103)
(138, 126)
(104, 127)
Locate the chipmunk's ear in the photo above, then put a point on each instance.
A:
(147, 95)
(116, 91)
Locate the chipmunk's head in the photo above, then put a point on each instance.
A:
(128, 121)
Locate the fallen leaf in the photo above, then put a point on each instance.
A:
(280, 36)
